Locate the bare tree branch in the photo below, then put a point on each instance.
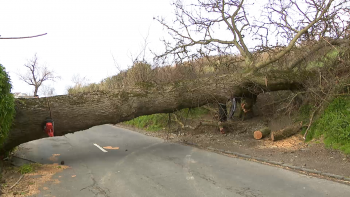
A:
(197, 30)
(295, 38)
(23, 37)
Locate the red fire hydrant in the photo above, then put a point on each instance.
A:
(49, 127)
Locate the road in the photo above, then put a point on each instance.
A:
(144, 166)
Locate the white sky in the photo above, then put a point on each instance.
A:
(81, 37)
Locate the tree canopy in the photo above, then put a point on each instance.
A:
(221, 27)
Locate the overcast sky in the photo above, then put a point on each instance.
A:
(81, 36)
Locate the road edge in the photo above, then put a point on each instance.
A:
(310, 172)
(302, 170)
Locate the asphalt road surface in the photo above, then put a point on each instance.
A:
(149, 167)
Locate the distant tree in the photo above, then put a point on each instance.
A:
(36, 74)
(47, 90)
(79, 81)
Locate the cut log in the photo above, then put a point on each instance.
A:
(262, 133)
(286, 132)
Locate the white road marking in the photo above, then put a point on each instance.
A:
(103, 150)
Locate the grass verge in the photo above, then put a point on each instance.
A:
(334, 125)
(157, 122)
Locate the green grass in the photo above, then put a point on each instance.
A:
(26, 168)
(193, 113)
(334, 125)
(154, 122)
(157, 122)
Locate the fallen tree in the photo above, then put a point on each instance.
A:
(252, 75)
(81, 111)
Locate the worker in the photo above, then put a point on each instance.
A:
(246, 108)
(233, 108)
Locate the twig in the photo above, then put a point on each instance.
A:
(210, 109)
(24, 37)
(188, 112)
(176, 120)
(310, 122)
(343, 94)
(290, 102)
(20, 178)
(169, 121)
(323, 100)
(182, 124)
(340, 59)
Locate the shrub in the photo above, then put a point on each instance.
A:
(7, 107)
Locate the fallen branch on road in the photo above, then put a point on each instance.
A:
(20, 178)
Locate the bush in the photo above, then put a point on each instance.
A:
(334, 125)
(7, 107)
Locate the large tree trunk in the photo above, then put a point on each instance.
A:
(78, 112)
(36, 90)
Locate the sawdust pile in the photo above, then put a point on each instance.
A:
(111, 148)
(54, 158)
(295, 142)
(31, 182)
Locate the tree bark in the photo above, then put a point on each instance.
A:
(286, 132)
(36, 90)
(78, 112)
